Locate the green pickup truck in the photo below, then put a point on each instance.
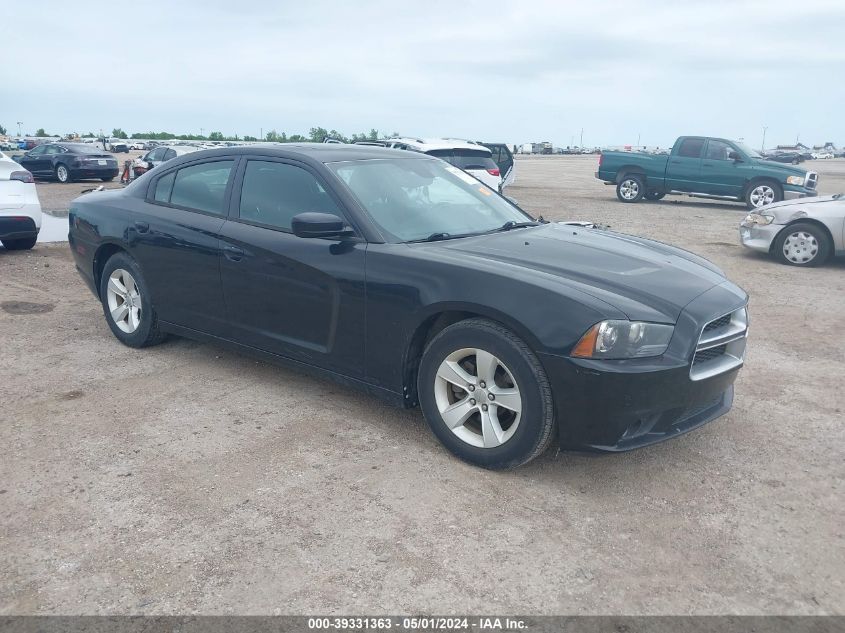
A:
(705, 167)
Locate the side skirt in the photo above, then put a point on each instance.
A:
(391, 397)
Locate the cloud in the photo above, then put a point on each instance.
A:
(511, 71)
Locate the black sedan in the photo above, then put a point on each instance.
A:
(67, 162)
(786, 157)
(402, 275)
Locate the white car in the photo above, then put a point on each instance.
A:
(473, 158)
(822, 155)
(137, 145)
(20, 210)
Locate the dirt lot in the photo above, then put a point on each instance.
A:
(186, 479)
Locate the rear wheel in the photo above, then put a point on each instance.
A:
(127, 304)
(654, 195)
(802, 244)
(631, 188)
(108, 179)
(485, 395)
(20, 244)
(62, 173)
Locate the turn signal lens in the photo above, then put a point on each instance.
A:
(624, 339)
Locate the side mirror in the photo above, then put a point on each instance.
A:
(313, 224)
(735, 156)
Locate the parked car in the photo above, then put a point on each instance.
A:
(824, 155)
(804, 232)
(136, 145)
(159, 155)
(400, 275)
(20, 209)
(117, 146)
(67, 162)
(785, 157)
(473, 158)
(705, 167)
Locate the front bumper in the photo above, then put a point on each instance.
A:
(791, 192)
(620, 405)
(758, 237)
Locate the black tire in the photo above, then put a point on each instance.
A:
(630, 188)
(818, 252)
(109, 179)
(148, 332)
(23, 244)
(753, 187)
(795, 161)
(535, 428)
(61, 168)
(654, 195)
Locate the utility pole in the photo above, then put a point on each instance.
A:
(20, 123)
(763, 145)
(261, 134)
(582, 139)
(201, 131)
(638, 139)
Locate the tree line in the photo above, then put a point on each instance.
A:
(315, 135)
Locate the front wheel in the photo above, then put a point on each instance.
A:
(485, 395)
(759, 194)
(20, 245)
(127, 304)
(630, 188)
(802, 244)
(62, 174)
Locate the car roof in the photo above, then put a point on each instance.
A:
(427, 144)
(319, 152)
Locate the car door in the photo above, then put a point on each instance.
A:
(721, 175)
(683, 170)
(175, 237)
(302, 298)
(504, 159)
(34, 161)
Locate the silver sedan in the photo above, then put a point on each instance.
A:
(802, 232)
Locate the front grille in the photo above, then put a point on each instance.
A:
(721, 345)
(812, 180)
(718, 323)
(709, 354)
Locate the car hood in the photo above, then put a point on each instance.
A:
(802, 202)
(774, 166)
(644, 279)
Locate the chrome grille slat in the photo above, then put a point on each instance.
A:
(721, 345)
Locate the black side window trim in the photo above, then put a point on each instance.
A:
(237, 187)
(151, 188)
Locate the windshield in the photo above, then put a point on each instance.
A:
(417, 198)
(753, 153)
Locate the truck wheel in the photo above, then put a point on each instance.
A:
(759, 194)
(631, 188)
(654, 195)
(802, 244)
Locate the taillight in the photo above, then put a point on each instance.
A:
(494, 171)
(23, 176)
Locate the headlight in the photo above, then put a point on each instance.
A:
(624, 339)
(795, 180)
(758, 218)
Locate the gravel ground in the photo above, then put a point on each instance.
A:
(187, 479)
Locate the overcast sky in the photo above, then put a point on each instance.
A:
(513, 71)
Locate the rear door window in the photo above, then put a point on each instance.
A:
(691, 147)
(202, 187)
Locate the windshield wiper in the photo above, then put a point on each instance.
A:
(513, 224)
(434, 237)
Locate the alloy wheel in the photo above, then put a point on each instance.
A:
(762, 195)
(62, 173)
(629, 189)
(478, 398)
(124, 300)
(800, 247)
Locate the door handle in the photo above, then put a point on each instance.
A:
(142, 227)
(233, 253)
